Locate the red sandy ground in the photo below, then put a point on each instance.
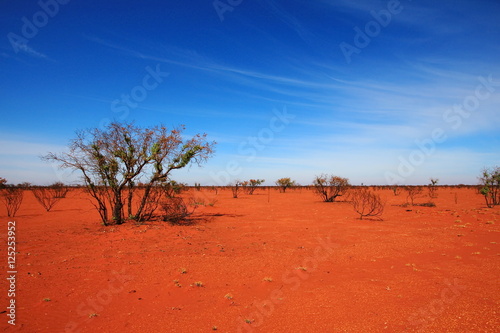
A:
(421, 269)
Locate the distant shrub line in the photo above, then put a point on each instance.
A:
(163, 198)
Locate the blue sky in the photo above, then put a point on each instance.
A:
(380, 92)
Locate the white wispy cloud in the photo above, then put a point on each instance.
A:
(289, 19)
(408, 103)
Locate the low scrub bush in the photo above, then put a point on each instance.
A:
(285, 183)
(490, 186)
(413, 192)
(12, 197)
(60, 190)
(396, 190)
(235, 188)
(366, 203)
(432, 188)
(251, 185)
(174, 210)
(330, 187)
(49, 196)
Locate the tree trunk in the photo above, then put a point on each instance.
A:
(118, 207)
(130, 199)
(144, 199)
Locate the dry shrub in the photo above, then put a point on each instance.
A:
(47, 196)
(396, 190)
(432, 188)
(60, 189)
(413, 192)
(235, 188)
(366, 203)
(12, 197)
(432, 191)
(174, 210)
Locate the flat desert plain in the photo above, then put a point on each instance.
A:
(267, 262)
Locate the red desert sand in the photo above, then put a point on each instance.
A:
(267, 262)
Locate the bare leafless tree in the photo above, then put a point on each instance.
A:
(366, 202)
